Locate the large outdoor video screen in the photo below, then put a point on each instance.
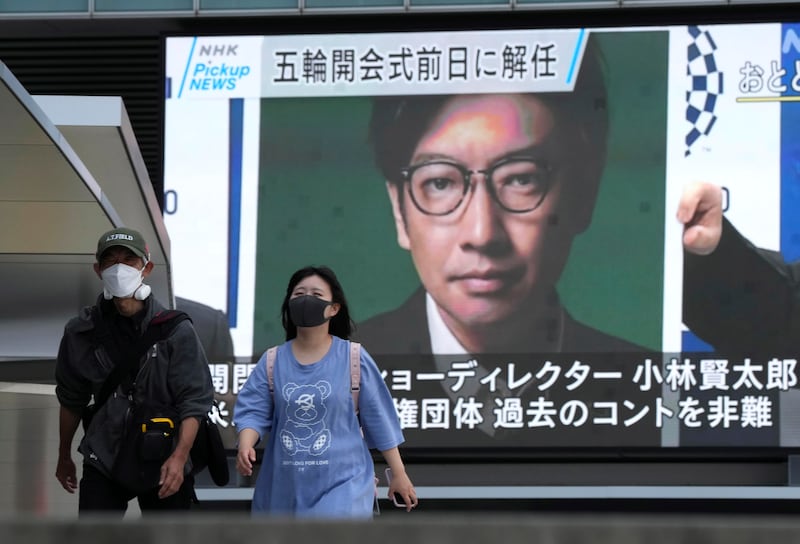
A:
(500, 208)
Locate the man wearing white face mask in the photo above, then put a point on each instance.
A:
(126, 353)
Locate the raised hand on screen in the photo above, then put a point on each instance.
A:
(700, 211)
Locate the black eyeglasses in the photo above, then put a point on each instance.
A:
(109, 259)
(517, 184)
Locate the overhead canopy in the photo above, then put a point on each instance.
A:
(70, 169)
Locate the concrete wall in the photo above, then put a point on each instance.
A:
(417, 529)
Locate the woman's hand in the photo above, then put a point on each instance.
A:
(246, 453)
(402, 486)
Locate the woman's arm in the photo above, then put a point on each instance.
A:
(246, 455)
(400, 482)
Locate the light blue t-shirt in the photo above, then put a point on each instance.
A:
(317, 463)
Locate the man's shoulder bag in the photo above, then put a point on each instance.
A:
(208, 451)
(150, 430)
(159, 328)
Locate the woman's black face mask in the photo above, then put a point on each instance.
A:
(308, 310)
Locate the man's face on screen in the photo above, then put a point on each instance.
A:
(499, 253)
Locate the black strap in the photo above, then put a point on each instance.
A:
(159, 328)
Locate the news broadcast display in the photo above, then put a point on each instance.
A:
(500, 208)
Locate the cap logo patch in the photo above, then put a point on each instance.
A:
(119, 237)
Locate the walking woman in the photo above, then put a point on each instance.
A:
(317, 462)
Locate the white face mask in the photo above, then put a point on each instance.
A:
(123, 281)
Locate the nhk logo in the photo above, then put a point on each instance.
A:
(217, 69)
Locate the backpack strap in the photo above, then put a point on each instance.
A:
(162, 325)
(173, 317)
(271, 368)
(355, 372)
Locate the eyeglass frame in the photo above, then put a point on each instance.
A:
(407, 173)
(129, 258)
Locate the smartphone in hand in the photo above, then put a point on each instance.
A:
(396, 498)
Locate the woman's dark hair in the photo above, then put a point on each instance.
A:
(399, 122)
(340, 325)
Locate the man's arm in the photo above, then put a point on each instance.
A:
(188, 375)
(65, 469)
(172, 470)
(73, 395)
(736, 297)
(191, 384)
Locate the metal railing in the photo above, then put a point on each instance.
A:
(97, 9)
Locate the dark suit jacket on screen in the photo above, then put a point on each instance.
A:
(742, 299)
(405, 331)
(399, 341)
(212, 328)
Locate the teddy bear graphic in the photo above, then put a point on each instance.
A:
(305, 429)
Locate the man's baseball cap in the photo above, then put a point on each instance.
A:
(129, 238)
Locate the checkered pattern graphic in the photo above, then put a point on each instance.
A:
(704, 84)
